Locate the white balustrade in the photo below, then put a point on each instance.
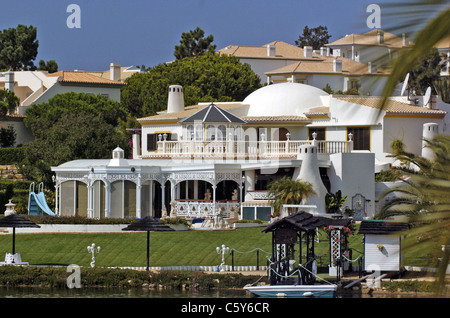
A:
(256, 149)
(206, 209)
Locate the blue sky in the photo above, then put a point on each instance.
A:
(137, 32)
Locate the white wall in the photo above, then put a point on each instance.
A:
(152, 129)
(354, 173)
(261, 66)
(407, 129)
(388, 259)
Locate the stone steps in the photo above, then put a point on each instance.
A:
(10, 172)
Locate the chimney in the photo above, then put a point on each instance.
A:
(9, 80)
(271, 50)
(175, 102)
(380, 37)
(307, 51)
(114, 71)
(336, 52)
(324, 51)
(337, 66)
(371, 68)
(405, 41)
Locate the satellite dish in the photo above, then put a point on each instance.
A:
(405, 84)
(426, 98)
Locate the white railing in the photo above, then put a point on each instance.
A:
(245, 149)
(206, 209)
(258, 194)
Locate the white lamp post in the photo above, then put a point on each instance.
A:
(91, 249)
(224, 250)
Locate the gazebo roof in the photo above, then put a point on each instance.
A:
(304, 221)
(16, 220)
(148, 224)
(382, 227)
(212, 114)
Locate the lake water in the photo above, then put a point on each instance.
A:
(46, 292)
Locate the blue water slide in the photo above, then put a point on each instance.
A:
(38, 203)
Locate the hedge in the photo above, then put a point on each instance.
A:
(116, 277)
(11, 155)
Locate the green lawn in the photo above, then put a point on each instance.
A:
(178, 248)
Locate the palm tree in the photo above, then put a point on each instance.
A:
(424, 198)
(287, 191)
(425, 195)
(428, 21)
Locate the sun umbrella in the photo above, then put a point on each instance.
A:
(15, 220)
(148, 224)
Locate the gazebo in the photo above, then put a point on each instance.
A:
(14, 221)
(295, 229)
(148, 224)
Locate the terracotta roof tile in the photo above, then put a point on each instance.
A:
(392, 106)
(283, 51)
(371, 38)
(326, 66)
(82, 77)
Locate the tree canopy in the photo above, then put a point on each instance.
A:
(287, 191)
(193, 44)
(18, 47)
(71, 126)
(8, 102)
(316, 37)
(50, 66)
(207, 78)
(425, 72)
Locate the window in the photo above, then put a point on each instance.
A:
(320, 131)
(221, 132)
(210, 133)
(361, 137)
(282, 134)
(189, 132)
(152, 140)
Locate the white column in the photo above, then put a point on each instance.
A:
(90, 209)
(138, 200)
(196, 189)
(107, 199)
(214, 187)
(151, 198)
(163, 196)
(249, 181)
(57, 199)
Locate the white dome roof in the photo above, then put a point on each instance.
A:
(284, 99)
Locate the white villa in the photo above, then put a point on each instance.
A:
(215, 159)
(35, 87)
(278, 62)
(377, 46)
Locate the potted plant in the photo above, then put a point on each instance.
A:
(335, 201)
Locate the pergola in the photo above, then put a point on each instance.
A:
(298, 228)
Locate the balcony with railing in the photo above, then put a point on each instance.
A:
(244, 149)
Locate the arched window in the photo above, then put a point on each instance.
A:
(282, 134)
(221, 132)
(189, 132)
(210, 132)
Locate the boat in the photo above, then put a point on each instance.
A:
(293, 291)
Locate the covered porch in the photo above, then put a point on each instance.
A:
(121, 188)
